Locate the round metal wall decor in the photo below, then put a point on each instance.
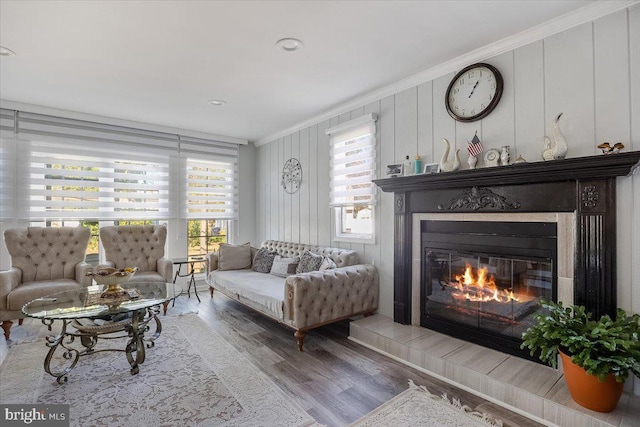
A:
(291, 176)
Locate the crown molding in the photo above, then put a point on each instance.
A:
(557, 25)
(40, 109)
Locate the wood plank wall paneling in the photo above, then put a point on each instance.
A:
(286, 197)
(406, 124)
(529, 115)
(585, 72)
(313, 185)
(569, 87)
(499, 130)
(275, 199)
(294, 198)
(260, 190)
(425, 122)
(443, 125)
(324, 219)
(305, 232)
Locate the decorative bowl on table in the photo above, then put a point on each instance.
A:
(112, 278)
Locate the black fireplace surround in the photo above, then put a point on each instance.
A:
(584, 185)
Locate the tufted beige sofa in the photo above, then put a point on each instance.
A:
(44, 260)
(302, 301)
(139, 246)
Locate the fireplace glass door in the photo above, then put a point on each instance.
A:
(484, 282)
(495, 294)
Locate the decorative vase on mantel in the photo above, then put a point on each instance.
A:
(447, 165)
(505, 155)
(473, 161)
(557, 148)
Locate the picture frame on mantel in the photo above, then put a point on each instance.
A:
(395, 170)
(430, 168)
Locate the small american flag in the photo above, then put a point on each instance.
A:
(475, 146)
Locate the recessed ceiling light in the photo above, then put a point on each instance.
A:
(217, 102)
(4, 51)
(289, 44)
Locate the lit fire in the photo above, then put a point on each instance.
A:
(482, 288)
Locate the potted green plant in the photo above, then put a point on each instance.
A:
(597, 355)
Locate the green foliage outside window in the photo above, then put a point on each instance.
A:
(204, 236)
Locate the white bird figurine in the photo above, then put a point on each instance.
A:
(445, 164)
(558, 148)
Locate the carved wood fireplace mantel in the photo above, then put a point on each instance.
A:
(584, 185)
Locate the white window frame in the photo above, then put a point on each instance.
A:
(368, 239)
(339, 201)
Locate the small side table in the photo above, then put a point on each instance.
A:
(191, 260)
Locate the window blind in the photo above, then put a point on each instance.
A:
(353, 162)
(7, 121)
(7, 163)
(70, 180)
(34, 125)
(210, 186)
(75, 169)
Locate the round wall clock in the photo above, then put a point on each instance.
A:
(474, 92)
(291, 176)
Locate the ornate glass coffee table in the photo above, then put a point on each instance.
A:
(87, 316)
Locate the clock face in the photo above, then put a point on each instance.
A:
(474, 92)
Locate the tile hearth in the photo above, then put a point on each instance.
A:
(528, 387)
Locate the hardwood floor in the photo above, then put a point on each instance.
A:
(335, 380)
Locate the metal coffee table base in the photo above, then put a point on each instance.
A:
(133, 328)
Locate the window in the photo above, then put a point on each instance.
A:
(210, 194)
(76, 181)
(210, 179)
(204, 236)
(352, 167)
(210, 189)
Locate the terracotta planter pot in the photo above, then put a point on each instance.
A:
(587, 390)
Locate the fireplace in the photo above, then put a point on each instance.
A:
(578, 195)
(483, 281)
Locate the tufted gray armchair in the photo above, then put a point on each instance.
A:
(44, 260)
(139, 246)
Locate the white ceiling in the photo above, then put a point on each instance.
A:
(160, 62)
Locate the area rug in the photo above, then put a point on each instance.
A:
(418, 407)
(191, 377)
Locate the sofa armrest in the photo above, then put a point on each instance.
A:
(212, 262)
(9, 280)
(165, 269)
(319, 297)
(82, 269)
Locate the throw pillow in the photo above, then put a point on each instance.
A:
(309, 262)
(284, 267)
(232, 257)
(263, 261)
(327, 264)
